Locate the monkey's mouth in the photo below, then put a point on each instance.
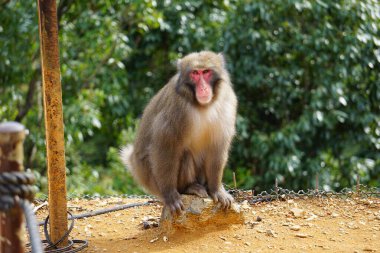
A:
(203, 93)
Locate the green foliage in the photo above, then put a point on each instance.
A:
(307, 79)
(306, 75)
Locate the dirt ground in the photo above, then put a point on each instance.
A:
(302, 225)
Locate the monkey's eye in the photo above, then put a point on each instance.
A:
(206, 71)
(194, 72)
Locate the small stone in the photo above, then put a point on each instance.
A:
(367, 249)
(271, 233)
(237, 237)
(165, 238)
(301, 235)
(297, 212)
(247, 244)
(295, 227)
(259, 219)
(260, 230)
(352, 225)
(312, 217)
(335, 215)
(245, 205)
(154, 240)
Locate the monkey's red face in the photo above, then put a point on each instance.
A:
(203, 89)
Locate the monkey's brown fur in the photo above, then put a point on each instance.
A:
(182, 145)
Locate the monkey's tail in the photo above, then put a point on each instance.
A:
(125, 155)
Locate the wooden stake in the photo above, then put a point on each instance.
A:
(357, 183)
(52, 93)
(234, 178)
(12, 228)
(276, 185)
(317, 182)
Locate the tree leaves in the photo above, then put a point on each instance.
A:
(306, 75)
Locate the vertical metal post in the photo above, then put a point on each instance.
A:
(52, 94)
(12, 227)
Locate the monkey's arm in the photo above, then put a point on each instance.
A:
(214, 173)
(165, 161)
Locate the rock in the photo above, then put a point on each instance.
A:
(367, 249)
(271, 233)
(251, 224)
(312, 217)
(297, 212)
(260, 230)
(295, 227)
(149, 222)
(245, 205)
(301, 235)
(200, 213)
(154, 240)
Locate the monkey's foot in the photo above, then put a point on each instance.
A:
(223, 197)
(173, 201)
(197, 189)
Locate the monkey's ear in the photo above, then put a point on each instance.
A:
(222, 59)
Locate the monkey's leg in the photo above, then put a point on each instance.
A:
(165, 168)
(197, 189)
(187, 177)
(214, 165)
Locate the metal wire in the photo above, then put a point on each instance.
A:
(279, 193)
(52, 247)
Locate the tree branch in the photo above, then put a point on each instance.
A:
(29, 97)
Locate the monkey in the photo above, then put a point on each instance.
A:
(185, 133)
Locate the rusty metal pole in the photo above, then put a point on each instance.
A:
(52, 94)
(12, 227)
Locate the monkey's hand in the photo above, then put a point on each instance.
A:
(223, 197)
(173, 201)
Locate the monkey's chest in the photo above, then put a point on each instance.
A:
(205, 132)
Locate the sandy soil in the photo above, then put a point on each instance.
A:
(303, 225)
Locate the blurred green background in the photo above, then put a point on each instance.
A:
(307, 76)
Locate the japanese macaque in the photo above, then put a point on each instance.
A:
(185, 133)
